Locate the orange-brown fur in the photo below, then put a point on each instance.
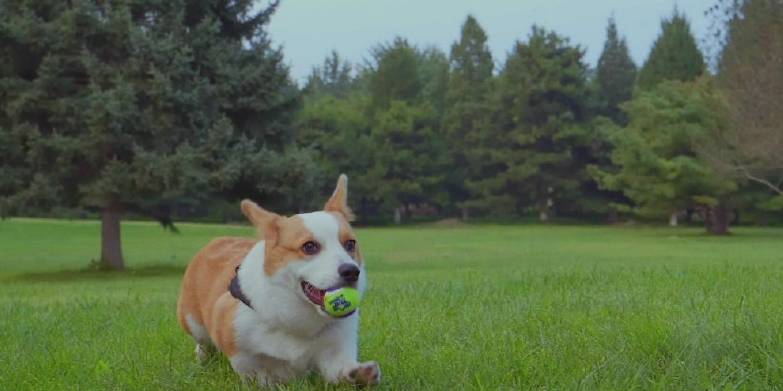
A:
(346, 233)
(204, 294)
(338, 202)
(284, 243)
(206, 301)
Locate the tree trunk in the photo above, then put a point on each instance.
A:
(673, 219)
(689, 215)
(716, 220)
(546, 210)
(398, 215)
(111, 244)
(465, 214)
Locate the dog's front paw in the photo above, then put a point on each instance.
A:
(366, 374)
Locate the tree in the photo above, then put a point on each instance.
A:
(135, 105)
(395, 74)
(615, 75)
(384, 128)
(539, 144)
(338, 131)
(657, 166)
(408, 159)
(433, 73)
(333, 77)
(674, 55)
(468, 102)
(750, 76)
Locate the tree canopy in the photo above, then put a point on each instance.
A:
(615, 75)
(156, 107)
(657, 164)
(674, 55)
(469, 106)
(135, 106)
(538, 138)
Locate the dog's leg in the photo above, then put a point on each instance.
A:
(255, 369)
(337, 360)
(351, 371)
(247, 367)
(367, 373)
(204, 352)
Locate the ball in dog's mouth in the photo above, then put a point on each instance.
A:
(315, 295)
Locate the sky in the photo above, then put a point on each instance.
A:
(308, 30)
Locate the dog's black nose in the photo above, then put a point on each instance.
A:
(349, 272)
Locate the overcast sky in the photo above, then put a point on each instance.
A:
(309, 29)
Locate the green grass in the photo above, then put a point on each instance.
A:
(468, 307)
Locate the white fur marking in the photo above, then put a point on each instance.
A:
(197, 330)
(324, 226)
(284, 335)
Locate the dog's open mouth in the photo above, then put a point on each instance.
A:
(314, 294)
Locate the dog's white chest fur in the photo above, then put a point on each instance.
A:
(282, 336)
(271, 321)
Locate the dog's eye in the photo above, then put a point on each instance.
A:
(350, 245)
(311, 248)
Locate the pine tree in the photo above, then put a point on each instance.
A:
(333, 77)
(674, 55)
(395, 74)
(540, 140)
(132, 106)
(433, 73)
(658, 167)
(408, 159)
(407, 89)
(615, 75)
(468, 101)
(338, 131)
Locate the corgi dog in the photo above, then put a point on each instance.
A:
(260, 302)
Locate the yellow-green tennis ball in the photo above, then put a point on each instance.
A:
(341, 302)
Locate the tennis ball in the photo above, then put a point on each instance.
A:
(341, 302)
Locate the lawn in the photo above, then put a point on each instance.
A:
(462, 307)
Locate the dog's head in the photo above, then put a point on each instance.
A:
(310, 253)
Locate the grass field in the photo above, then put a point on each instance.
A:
(465, 307)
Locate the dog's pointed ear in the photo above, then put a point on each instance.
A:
(339, 200)
(264, 220)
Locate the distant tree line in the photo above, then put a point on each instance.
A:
(422, 133)
(174, 109)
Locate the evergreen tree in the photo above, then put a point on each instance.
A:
(386, 133)
(468, 101)
(131, 106)
(333, 77)
(338, 131)
(658, 167)
(612, 84)
(674, 55)
(540, 142)
(408, 160)
(407, 89)
(433, 73)
(395, 74)
(615, 75)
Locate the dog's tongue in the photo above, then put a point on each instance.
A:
(314, 294)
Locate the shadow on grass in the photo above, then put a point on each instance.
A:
(89, 274)
(735, 234)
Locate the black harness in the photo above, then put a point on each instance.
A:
(236, 290)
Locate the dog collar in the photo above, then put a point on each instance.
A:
(236, 290)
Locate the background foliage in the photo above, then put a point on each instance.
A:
(177, 109)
